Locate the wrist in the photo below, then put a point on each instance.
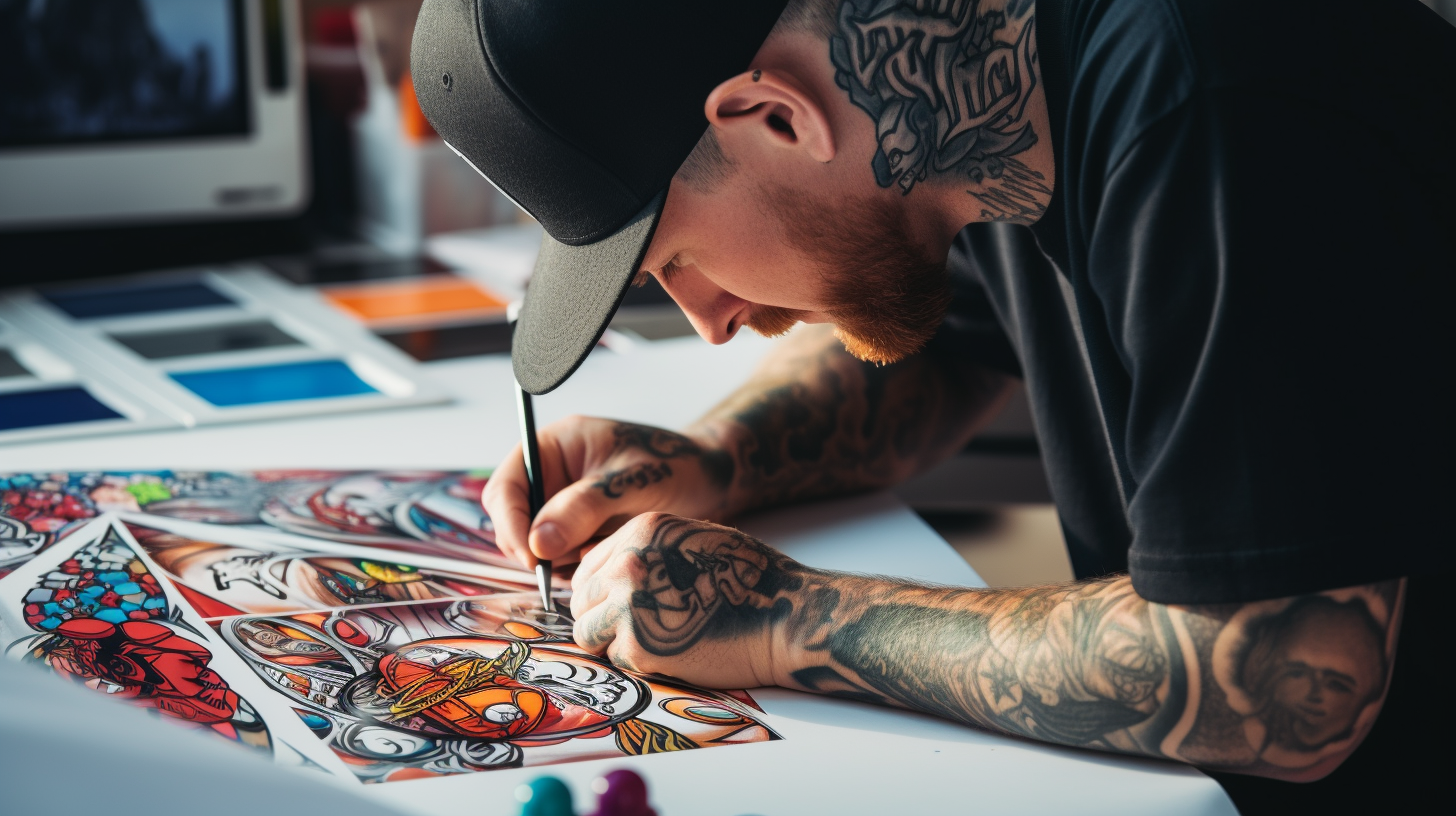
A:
(719, 441)
(815, 606)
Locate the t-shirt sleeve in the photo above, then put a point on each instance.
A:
(1276, 356)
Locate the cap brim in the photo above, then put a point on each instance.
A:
(574, 292)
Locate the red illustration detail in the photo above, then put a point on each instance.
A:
(146, 664)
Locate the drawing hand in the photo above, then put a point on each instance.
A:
(685, 598)
(597, 474)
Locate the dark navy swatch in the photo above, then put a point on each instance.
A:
(111, 301)
(51, 406)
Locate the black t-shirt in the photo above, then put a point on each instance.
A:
(1233, 319)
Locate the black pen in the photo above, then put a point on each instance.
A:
(535, 490)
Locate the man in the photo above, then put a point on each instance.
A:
(1212, 239)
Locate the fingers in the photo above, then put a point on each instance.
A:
(508, 505)
(579, 513)
(606, 629)
(596, 630)
(506, 497)
(593, 603)
(590, 584)
(608, 567)
(593, 483)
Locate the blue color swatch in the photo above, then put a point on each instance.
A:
(138, 299)
(318, 379)
(51, 406)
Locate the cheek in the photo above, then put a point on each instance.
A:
(759, 267)
(1341, 700)
(777, 279)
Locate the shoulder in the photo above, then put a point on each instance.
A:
(1304, 47)
(1135, 63)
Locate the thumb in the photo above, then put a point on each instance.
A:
(576, 514)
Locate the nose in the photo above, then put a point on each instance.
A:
(715, 313)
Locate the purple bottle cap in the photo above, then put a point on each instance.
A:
(622, 793)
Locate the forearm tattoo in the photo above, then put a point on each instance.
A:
(662, 445)
(1272, 687)
(817, 422)
(948, 84)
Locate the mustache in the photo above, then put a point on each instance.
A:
(863, 330)
(772, 321)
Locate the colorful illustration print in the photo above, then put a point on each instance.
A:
(420, 512)
(418, 690)
(36, 511)
(105, 623)
(39, 509)
(426, 513)
(221, 579)
(402, 663)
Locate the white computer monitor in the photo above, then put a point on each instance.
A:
(137, 111)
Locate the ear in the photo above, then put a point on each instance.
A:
(774, 106)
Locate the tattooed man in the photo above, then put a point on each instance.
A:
(1213, 239)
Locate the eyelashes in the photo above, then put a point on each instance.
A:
(668, 271)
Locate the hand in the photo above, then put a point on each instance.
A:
(689, 599)
(599, 473)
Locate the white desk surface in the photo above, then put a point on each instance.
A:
(836, 757)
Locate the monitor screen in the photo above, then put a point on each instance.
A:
(118, 112)
(97, 71)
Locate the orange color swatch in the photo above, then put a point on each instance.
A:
(409, 301)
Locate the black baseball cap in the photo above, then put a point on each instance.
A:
(580, 111)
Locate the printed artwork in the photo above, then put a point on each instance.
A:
(388, 639)
(233, 573)
(102, 620)
(37, 510)
(430, 689)
(420, 512)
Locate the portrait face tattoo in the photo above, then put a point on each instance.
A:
(1311, 669)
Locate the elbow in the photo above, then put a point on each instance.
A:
(1303, 679)
(1313, 773)
(1289, 758)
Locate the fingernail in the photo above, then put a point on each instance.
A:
(549, 540)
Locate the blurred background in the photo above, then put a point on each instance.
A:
(145, 135)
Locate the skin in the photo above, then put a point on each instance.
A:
(662, 587)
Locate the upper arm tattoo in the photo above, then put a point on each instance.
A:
(948, 88)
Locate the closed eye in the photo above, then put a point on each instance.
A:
(665, 274)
